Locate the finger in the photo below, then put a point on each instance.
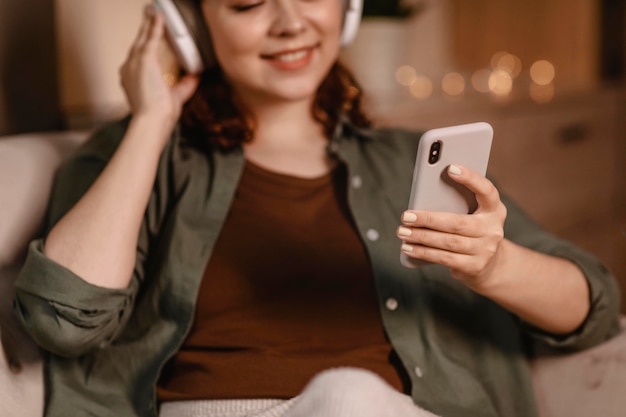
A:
(144, 29)
(438, 240)
(452, 260)
(459, 224)
(155, 32)
(487, 195)
(185, 88)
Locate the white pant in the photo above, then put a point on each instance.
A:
(341, 392)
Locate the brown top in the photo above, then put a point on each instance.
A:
(287, 293)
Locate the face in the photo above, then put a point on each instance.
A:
(275, 49)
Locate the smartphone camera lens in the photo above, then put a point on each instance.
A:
(435, 152)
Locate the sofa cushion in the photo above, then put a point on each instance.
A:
(583, 384)
(27, 166)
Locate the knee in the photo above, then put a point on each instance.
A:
(345, 392)
(345, 382)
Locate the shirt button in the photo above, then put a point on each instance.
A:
(372, 235)
(333, 147)
(418, 372)
(391, 304)
(357, 182)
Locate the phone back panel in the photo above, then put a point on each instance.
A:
(468, 145)
(433, 190)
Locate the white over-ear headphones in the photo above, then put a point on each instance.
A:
(353, 9)
(190, 38)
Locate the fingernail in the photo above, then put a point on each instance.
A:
(409, 217)
(406, 248)
(454, 170)
(404, 231)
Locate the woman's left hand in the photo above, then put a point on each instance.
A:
(469, 244)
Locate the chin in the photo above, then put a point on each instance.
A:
(291, 90)
(298, 94)
(300, 88)
(284, 87)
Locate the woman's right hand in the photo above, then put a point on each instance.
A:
(142, 76)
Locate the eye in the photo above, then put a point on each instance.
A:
(246, 7)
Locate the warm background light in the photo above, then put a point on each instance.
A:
(405, 75)
(500, 83)
(542, 72)
(453, 84)
(422, 87)
(507, 62)
(480, 80)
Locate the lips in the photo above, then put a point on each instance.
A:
(292, 56)
(290, 59)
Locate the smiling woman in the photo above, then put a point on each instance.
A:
(261, 65)
(300, 59)
(231, 248)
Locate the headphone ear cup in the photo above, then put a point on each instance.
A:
(188, 34)
(191, 12)
(353, 10)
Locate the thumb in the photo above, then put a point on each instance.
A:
(185, 88)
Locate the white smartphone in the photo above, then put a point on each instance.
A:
(432, 189)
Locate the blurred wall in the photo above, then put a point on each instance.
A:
(28, 72)
(59, 59)
(565, 32)
(93, 37)
(423, 41)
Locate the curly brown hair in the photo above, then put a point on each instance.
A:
(214, 115)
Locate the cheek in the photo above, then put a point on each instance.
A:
(226, 33)
(229, 44)
(329, 18)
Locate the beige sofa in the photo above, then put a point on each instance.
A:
(586, 384)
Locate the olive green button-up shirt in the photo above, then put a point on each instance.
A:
(465, 355)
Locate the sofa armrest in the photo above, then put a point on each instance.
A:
(27, 166)
(21, 392)
(583, 384)
(28, 163)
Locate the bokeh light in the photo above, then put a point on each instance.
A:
(453, 84)
(542, 72)
(500, 83)
(495, 59)
(480, 80)
(509, 63)
(406, 75)
(421, 87)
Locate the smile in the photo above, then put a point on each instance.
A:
(292, 59)
(292, 56)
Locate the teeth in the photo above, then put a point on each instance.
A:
(292, 56)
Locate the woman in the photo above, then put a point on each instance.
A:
(217, 269)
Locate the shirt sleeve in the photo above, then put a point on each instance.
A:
(63, 313)
(602, 322)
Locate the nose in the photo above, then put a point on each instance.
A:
(289, 20)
